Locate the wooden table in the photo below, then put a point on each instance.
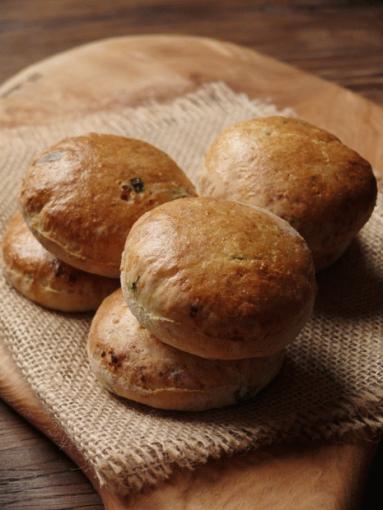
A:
(338, 40)
(341, 43)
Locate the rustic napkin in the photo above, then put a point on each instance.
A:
(331, 381)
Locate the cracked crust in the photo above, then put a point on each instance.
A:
(81, 196)
(218, 279)
(131, 362)
(303, 174)
(42, 278)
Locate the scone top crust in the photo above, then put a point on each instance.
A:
(81, 196)
(218, 278)
(300, 172)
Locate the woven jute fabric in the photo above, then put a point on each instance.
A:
(330, 384)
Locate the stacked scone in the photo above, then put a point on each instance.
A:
(213, 288)
(79, 200)
(212, 291)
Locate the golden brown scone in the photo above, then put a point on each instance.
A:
(81, 196)
(218, 279)
(42, 278)
(132, 363)
(303, 174)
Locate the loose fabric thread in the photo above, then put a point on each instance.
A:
(330, 384)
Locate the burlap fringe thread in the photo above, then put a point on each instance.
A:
(330, 385)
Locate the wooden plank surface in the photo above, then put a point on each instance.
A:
(340, 40)
(52, 499)
(34, 474)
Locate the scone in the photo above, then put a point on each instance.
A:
(218, 279)
(303, 174)
(42, 278)
(81, 196)
(132, 363)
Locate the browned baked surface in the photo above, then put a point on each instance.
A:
(301, 173)
(218, 279)
(131, 362)
(81, 196)
(42, 278)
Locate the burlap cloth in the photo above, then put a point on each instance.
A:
(330, 384)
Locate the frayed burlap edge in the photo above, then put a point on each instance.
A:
(356, 418)
(358, 414)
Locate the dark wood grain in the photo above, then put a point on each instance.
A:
(340, 41)
(34, 474)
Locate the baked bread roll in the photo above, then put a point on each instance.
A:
(81, 196)
(303, 174)
(132, 363)
(42, 278)
(218, 279)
